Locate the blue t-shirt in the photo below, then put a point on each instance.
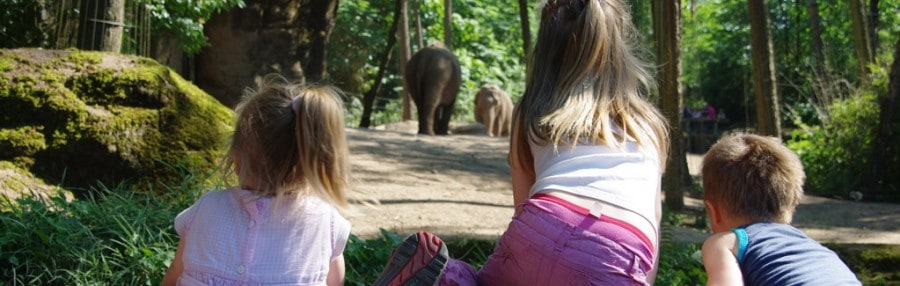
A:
(779, 254)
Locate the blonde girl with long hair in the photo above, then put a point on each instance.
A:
(281, 224)
(587, 152)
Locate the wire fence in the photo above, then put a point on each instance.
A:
(66, 17)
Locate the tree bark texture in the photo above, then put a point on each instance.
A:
(419, 42)
(320, 16)
(764, 85)
(861, 40)
(448, 24)
(102, 25)
(815, 30)
(403, 36)
(667, 35)
(526, 27)
(823, 84)
(872, 29)
(286, 37)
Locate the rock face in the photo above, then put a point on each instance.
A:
(78, 118)
(287, 37)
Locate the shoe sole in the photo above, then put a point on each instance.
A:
(419, 260)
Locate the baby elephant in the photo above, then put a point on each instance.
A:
(493, 109)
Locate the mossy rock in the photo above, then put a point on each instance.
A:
(17, 183)
(77, 118)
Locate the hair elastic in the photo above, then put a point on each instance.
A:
(295, 104)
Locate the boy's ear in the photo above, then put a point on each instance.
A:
(715, 215)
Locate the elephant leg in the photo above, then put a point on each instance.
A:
(504, 126)
(490, 122)
(442, 122)
(426, 119)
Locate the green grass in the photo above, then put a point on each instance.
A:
(121, 236)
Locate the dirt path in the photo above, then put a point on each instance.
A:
(459, 185)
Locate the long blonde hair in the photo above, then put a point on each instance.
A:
(289, 139)
(584, 78)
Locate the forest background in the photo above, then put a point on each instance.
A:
(835, 105)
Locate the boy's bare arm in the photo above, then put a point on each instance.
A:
(719, 260)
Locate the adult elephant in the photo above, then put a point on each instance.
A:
(493, 109)
(433, 78)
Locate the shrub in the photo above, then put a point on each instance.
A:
(833, 154)
(836, 153)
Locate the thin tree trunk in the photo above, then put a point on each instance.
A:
(369, 97)
(815, 27)
(321, 25)
(873, 26)
(879, 162)
(861, 38)
(421, 43)
(764, 84)
(667, 34)
(102, 25)
(823, 91)
(403, 36)
(448, 25)
(526, 27)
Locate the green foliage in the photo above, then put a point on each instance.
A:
(716, 52)
(108, 239)
(20, 24)
(185, 18)
(833, 154)
(365, 259)
(680, 263)
(874, 264)
(836, 153)
(116, 236)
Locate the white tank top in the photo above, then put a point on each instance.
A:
(627, 177)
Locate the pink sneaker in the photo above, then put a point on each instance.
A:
(419, 260)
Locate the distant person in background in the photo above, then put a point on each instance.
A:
(709, 111)
(752, 185)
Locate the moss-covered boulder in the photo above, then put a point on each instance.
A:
(75, 118)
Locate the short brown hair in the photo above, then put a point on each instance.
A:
(753, 177)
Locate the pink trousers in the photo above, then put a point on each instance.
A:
(551, 244)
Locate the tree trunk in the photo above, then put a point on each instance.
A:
(764, 84)
(861, 39)
(403, 36)
(419, 32)
(880, 159)
(369, 97)
(448, 25)
(102, 25)
(320, 15)
(815, 29)
(526, 27)
(822, 83)
(667, 34)
(873, 26)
